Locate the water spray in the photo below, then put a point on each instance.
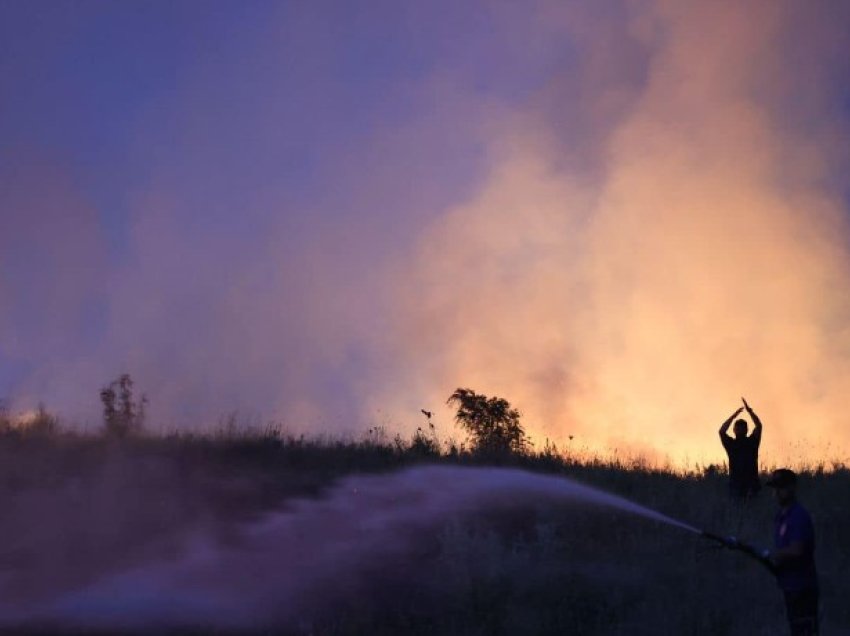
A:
(311, 549)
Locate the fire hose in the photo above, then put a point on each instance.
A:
(732, 543)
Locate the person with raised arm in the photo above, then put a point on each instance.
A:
(743, 453)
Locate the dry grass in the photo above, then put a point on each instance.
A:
(76, 506)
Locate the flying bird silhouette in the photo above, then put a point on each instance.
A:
(426, 413)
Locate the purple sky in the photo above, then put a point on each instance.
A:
(261, 206)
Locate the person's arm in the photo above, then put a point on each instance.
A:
(756, 434)
(724, 428)
(765, 557)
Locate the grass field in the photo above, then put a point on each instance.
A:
(79, 507)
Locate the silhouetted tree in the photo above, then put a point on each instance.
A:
(492, 423)
(122, 414)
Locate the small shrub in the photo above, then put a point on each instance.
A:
(5, 418)
(425, 444)
(123, 415)
(43, 424)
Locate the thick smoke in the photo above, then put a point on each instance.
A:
(52, 275)
(620, 216)
(705, 256)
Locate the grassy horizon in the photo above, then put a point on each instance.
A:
(82, 504)
(41, 424)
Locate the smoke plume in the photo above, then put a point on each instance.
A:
(700, 254)
(620, 216)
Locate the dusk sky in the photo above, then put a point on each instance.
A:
(620, 216)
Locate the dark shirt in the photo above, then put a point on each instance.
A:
(791, 526)
(743, 453)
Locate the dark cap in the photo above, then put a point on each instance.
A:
(782, 478)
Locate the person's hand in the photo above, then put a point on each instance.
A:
(766, 557)
(747, 406)
(760, 553)
(738, 412)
